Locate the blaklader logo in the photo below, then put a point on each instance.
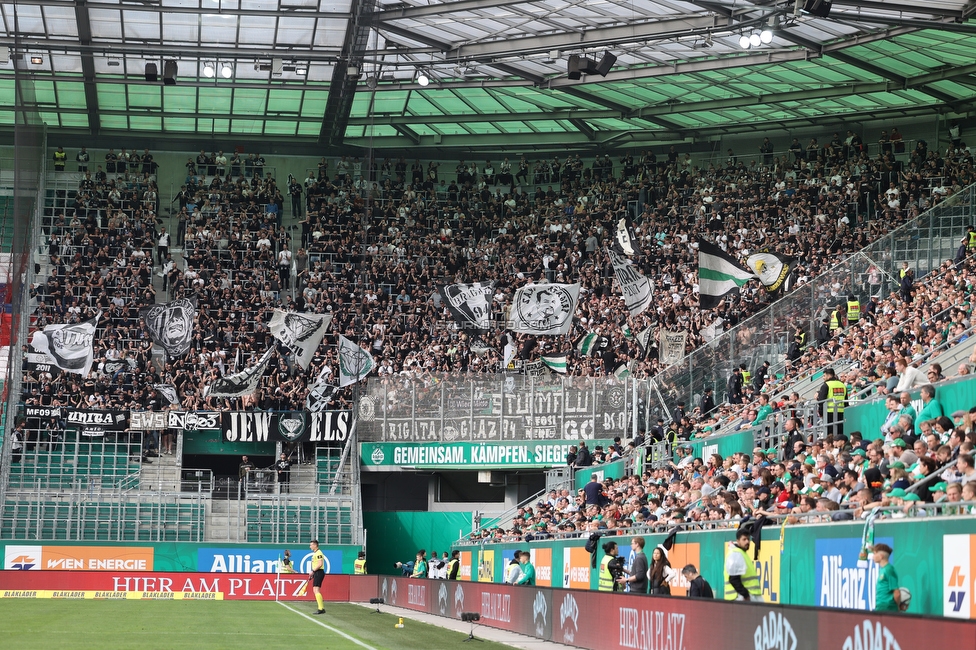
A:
(871, 636)
(442, 599)
(775, 633)
(539, 612)
(568, 615)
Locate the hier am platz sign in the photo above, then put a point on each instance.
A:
(470, 455)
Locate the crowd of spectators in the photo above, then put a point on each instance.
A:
(377, 238)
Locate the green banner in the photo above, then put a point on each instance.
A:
(723, 444)
(616, 469)
(470, 455)
(867, 417)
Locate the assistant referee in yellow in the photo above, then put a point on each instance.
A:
(317, 575)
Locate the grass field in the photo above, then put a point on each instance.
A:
(237, 625)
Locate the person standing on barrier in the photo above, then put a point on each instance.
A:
(637, 575)
(318, 573)
(743, 583)
(833, 398)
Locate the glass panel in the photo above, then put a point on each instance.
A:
(71, 95)
(179, 99)
(284, 101)
(310, 128)
(105, 23)
(313, 105)
(51, 119)
(145, 122)
(118, 122)
(280, 127)
(141, 25)
(74, 120)
(44, 93)
(144, 96)
(179, 124)
(214, 99)
(246, 126)
(249, 101)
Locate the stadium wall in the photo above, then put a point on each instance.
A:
(607, 621)
(868, 416)
(397, 536)
(817, 565)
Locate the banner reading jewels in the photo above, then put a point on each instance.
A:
(287, 426)
(495, 455)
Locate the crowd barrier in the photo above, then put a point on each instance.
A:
(609, 621)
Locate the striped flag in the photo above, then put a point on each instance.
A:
(555, 362)
(623, 370)
(719, 274)
(589, 344)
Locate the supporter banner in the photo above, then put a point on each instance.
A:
(69, 347)
(958, 564)
(170, 324)
(544, 308)
(240, 383)
(671, 347)
(94, 424)
(625, 241)
(287, 426)
(637, 290)
(299, 333)
(154, 420)
(165, 586)
(320, 394)
(497, 455)
(840, 581)
(43, 411)
(772, 270)
(77, 558)
(470, 304)
(39, 362)
(355, 363)
(719, 274)
(626, 621)
(535, 369)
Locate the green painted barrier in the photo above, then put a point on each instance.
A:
(616, 469)
(723, 444)
(867, 417)
(816, 565)
(397, 536)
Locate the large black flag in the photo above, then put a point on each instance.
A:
(170, 324)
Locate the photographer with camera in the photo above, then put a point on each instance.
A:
(611, 568)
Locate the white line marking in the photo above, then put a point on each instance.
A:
(328, 627)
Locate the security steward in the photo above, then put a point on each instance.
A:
(853, 309)
(743, 582)
(317, 575)
(971, 234)
(832, 399)
(359, 566)
(835, 320)
(746, 375)
(454, 565)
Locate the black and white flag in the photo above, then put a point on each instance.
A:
(69, 346)
(170, 324)
(625, 241)
(774, 271)
(300, 333)
(168, 392)
(240, 383)
(638, 291)
(544, 308)
(354, 362)
(320, 393)
(479, 347)
(470, 304)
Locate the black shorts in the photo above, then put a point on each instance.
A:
(317, 577)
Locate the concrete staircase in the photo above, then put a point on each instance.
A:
(225, 520)
(163, 475)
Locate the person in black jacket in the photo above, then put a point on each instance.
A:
(637, 574)
(707, 402)
(583, 456)
(697, 586)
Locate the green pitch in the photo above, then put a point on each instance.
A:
(236, 625)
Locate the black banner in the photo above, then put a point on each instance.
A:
(153, 420)
(43, 411)
(104, 420)
(286, 426)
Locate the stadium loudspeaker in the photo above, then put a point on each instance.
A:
(819, 8)
(169, 72)
(603, 67)
(573, 67)
(152, 72)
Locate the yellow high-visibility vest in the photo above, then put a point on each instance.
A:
(836, 395)
(834, 320)
(606, 578)
(750, 579)
(359, 567)
(853, 311)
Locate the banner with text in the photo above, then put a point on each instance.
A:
(469, 455)
(286, 426)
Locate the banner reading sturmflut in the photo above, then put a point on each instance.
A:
(300, 333)
(671, 347)
(170, 324)
(637, 290)
(240, 383)
(544, 308)
(470, 304)
(69, 346)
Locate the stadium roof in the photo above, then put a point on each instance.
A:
(336, 72)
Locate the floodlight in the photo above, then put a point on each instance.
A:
(744, 42)
(423, 79)
(226, 70)
(755, 41)
(208, 70)
(766, 36)
(37, 60)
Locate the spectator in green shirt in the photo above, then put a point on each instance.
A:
(905, 399)
(528, 571)
(932, 409)
(764, 410)
(887, 596)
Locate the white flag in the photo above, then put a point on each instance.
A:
(69, 346)
(671, 347)
(300, 333)
(544, 308)
(240, 383)
(321, 392)
(637, 290)
(354, 362)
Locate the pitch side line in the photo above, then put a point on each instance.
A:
(328, 627)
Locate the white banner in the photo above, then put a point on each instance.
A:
(69, 347)
(354, 362)
(671, 347)
(544, 308)
(637, 290)
(240, 383)
(300, 333)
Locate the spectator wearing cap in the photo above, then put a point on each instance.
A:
(938, 491)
